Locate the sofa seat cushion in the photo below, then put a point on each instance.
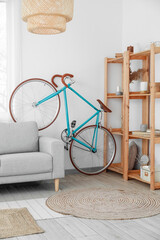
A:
(18, 137)
(25, 163)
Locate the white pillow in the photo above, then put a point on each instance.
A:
(18, 137)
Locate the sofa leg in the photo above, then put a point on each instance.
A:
(56, 183)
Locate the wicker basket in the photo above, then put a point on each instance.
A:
(47, 16)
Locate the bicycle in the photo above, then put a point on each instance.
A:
(92, 147)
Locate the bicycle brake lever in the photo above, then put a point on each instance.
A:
(65, 76)
(72, 81)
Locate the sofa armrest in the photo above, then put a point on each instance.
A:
(55, 148)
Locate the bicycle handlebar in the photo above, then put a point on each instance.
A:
(62, 79)
(64, 76)
(52, 79)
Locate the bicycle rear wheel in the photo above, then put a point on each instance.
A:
(85, 160)
(26, 95)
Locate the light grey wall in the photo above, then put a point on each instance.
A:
(94, 33)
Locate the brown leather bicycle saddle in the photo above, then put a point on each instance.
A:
(102, 106)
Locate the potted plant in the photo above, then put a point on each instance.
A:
(136, 83)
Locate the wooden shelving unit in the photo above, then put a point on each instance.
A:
(148, 112)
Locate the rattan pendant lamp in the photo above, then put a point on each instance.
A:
(47, 16)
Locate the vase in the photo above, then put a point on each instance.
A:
(134, 86)
(144, 86)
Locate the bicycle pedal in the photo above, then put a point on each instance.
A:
(73, 123)
(66, 147)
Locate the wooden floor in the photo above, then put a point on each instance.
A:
(57, 226)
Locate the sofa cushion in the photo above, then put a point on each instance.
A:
(18, 137)
(25, 163)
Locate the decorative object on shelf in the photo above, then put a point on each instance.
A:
(146, 173)
(148, 45)
(137, 47)
(137, 161)
(134, 86)
(136, 75)
(135, 78)
(47, 16)
(130, 49)
(144, 160)
(118, 91)
(157, 43)
(143, 127)
(143, 87)
(132, 155)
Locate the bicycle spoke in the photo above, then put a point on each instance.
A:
(90, 162)
(25, 96)
(20, 100)
(85, 141)
(24, 114)
(82, 148)
(41, 117)
(43, 112)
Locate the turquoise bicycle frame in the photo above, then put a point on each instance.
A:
(96, 114)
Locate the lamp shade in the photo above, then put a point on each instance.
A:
(47, 16)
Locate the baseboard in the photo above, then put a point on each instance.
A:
(71, 171)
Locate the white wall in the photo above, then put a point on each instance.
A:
(141, 20)
(94, 33)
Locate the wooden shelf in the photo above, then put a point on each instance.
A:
(117, 131)
(142, 95)
(113, 95)
(116, 167)
(133, 136)
(148, 111)
(135, 56)
(115, 60)
(138, 137)
(157, 95)
(132, 174)
(138, 95)
(134, 95)
(139, 55)
(136, 175)
(157, 50)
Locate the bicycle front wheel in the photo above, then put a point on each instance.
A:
(22, 104)
(87, 161)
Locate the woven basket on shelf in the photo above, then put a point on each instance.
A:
(47, 16)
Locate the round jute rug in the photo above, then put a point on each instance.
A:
(103, 203)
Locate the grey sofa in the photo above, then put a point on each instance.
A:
(26, 157)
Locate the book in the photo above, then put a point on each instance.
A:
(145, 134)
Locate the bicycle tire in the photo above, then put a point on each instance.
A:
(83, 154)
(15, 104)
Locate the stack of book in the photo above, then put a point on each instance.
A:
(147, 133)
